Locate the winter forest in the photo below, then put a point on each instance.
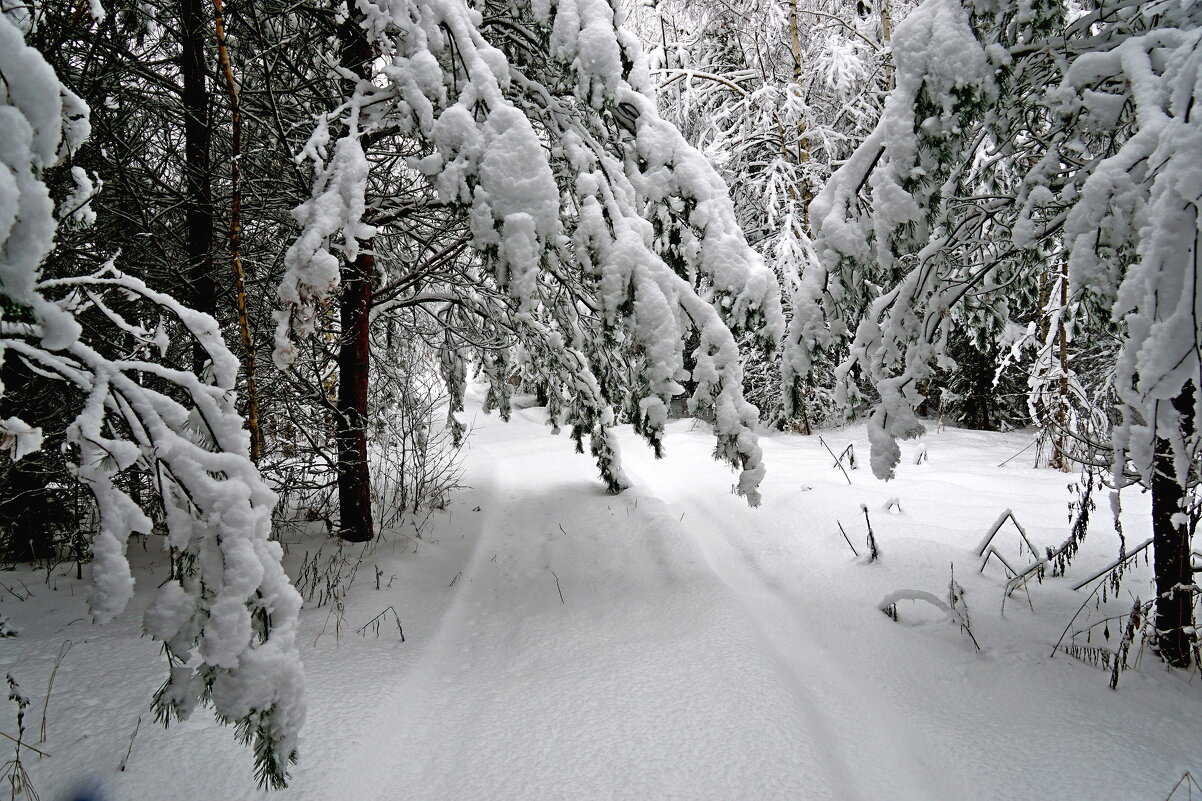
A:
(600, 399)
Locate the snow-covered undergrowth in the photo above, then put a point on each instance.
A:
(668, 642)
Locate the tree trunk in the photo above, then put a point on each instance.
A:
(803, 147)
(354, 350)
(1060, 458)
(1174, 573)
(887, 39)
(354, 355)
(235, 237)
(797, 398)
(201, 293)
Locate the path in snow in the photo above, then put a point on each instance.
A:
(656, 676)
(873, 755)
(701, 650)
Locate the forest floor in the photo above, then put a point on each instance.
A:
(665, 643)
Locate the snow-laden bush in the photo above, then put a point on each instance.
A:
(227, 614)
(603, 239)
(1020, 138)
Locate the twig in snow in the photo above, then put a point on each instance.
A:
(1015, 456)
(996, 527)
(959, 607)
(13, 593)
(846, 538)
(130, 750)
(561, 529)
(375, 622)
(850, 453)
(1120, 659)
(62, 651)
(1091, 596)
(557, 587)
(24, 745)
(873, 553)
(1189, 782)
(457, 575)
(888, 605)
(13, 771)
(1015, 577)
(838, 461)
(1113, 565)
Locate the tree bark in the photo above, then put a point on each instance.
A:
(354, 359)
(1060, 458)
(235, 237)
(887, 39)
(354, 353)
(803, 147)
(198, 191)
(1171, 544)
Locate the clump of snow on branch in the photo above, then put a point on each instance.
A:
(1147, 191)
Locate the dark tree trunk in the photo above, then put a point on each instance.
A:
(201, 293)
(1174, 572)
(354, 354)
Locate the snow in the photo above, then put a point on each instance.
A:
(19, 438)
(311, 270)
(701, 649)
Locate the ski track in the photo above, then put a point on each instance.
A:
(655, 719)
(884, 764)
(723, 660)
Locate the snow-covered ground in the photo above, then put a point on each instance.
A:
(669, 642)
